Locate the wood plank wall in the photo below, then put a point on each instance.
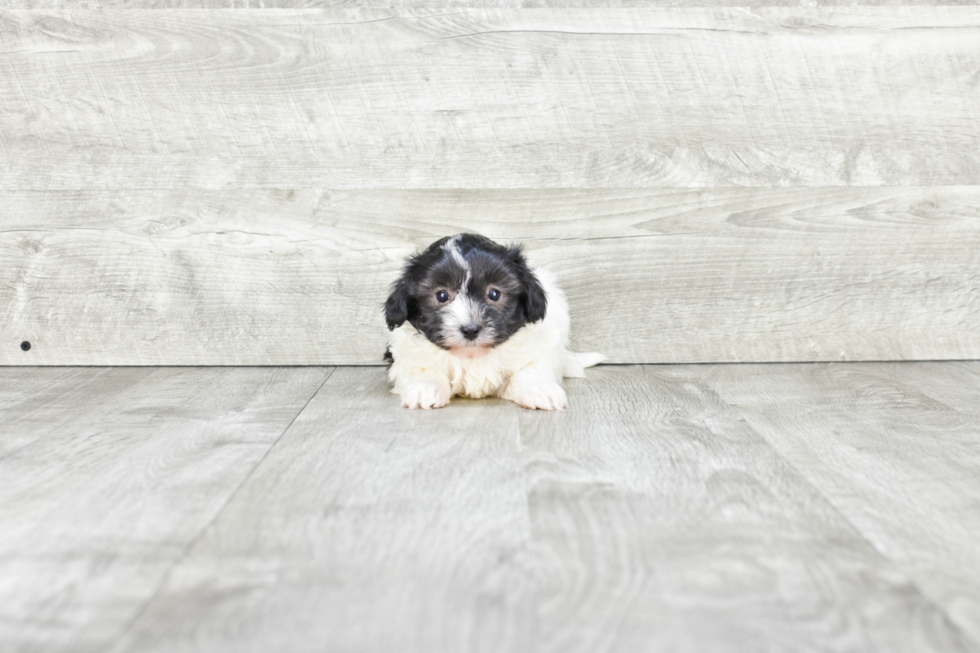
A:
(203, 186)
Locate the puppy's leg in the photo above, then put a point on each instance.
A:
(428, 389)
(535, 387)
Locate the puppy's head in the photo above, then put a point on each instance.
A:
(466, 293)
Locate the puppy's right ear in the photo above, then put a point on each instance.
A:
(400, 305)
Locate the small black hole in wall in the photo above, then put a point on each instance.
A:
(26, 346)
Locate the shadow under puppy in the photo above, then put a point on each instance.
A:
(470, 317)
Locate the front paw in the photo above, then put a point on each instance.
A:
(425, 395)
(543, 395)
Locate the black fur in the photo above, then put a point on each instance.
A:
(400, 305)
(491, 266)
(535, 299)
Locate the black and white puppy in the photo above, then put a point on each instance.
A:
(470, 317)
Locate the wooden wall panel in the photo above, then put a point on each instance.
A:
(298, 277)
(489, 98)
(200, 186)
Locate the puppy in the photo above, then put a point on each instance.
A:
(470, 317)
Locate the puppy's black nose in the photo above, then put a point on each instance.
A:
(470, 331)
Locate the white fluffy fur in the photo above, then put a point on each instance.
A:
(527, 368)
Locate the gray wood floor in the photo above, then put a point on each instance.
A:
(788, 507)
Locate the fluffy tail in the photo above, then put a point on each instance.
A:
(575, 364)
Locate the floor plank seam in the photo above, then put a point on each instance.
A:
(207, 527)
(952, 623)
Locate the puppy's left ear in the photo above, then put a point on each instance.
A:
(399, 306)
(535, 299)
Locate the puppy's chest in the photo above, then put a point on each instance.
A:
(478, 377)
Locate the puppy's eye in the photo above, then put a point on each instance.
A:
(442, 296)
(494, 294)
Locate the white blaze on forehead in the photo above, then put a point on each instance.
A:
(452, 247)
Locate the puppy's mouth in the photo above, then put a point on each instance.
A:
(470, 351)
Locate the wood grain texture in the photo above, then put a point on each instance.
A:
(454, 4)
(661, 521)
(368, 528)
(425, 98)
(896, 450)
(954, 384)
(156, 510)
(109, 475)
(299, 277)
